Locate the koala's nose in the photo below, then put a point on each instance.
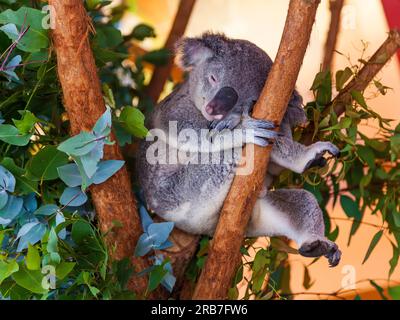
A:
(222, 103)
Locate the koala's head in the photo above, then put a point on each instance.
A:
(225, 75)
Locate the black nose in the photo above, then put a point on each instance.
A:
(223, 101)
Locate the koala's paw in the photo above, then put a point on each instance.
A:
(263, 134)
(320, 149)
(322, 247)
(229, 122)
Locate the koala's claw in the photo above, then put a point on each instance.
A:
(322, 247)
(329, 147)
(334, 256)
(220, 125)
(250, 123)
(229, 122)
(318, 160)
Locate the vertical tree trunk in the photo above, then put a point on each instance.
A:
(335, 7)
(83, 100)
(224, 253)
(161, 74)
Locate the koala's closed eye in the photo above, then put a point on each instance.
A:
(213, 79)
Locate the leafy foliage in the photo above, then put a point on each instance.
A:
(50, 247)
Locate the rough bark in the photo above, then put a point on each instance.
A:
(83, 100)
(224, 253)
(162, 73)
(359, 83)
(335, 7)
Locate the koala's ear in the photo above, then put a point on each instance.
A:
(190, 52)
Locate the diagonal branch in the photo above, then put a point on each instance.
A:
(369, 71)
(224, 253)
(359, 83)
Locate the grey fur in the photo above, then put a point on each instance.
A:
(191, 195)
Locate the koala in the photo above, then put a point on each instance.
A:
(225, 78)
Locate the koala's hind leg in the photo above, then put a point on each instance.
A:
(292, 155)
(295, 214)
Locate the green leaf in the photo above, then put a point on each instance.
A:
(64, 269)
(108, 37)
(27, 122)
(394, 292)
(132, 120)
(44, 164)
(30, 280)
(142, 31)
(367, 155)
(350, 207)
(36, 38)
(394, 260)
(396, 218)
(373, 244)
(156, 276)
(81, 230)
(378, 288)
(11, 135)
(94, 4)
(342, 76)
(358, 97)
(395, 145)
(307, 283)
(157, 57)
(7, 268)
(52, 242)
(32, 258)
(24, 185)
(322, 87)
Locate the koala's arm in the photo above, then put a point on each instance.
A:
(297, 157)
(292, 155)
(190, 133)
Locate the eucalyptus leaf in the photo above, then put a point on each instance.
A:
(45, 163)
(79, 145)
(73, 197)
(36, 38)
(11, 135)
(106, 169)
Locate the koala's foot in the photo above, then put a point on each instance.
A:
(322, 247)
(320, 148)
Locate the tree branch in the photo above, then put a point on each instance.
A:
(162, 73)
(224, 253)
(83, 100)
(335, 7)
(361, 81)
(369, 71)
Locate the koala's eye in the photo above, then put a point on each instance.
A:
(213, 80)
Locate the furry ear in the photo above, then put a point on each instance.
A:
(190, 52)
